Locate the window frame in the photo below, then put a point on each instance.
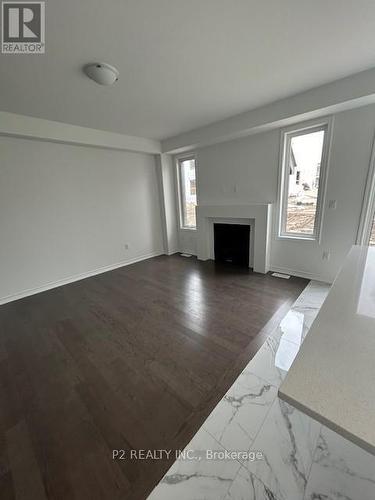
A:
(179, 160)
(286, 136)
(368, 204)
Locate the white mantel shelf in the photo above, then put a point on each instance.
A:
(333, 376)
(258, 213)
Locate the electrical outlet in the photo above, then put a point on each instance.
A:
(326, 255)
(126, 246)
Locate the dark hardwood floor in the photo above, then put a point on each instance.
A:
(135, 358)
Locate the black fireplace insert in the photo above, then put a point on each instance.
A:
(232, 243)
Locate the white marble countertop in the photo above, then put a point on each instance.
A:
(333, 376)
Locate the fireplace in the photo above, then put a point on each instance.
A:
(257, 215)
(232, 243)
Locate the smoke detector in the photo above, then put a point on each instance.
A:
(102, 73)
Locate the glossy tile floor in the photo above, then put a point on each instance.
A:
(300, 459)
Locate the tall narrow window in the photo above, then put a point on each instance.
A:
(372, 234)
(366, 230)
(302, 182)
(187, 192)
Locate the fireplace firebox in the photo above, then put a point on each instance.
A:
(232, 243)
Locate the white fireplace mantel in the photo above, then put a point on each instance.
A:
(259, 214)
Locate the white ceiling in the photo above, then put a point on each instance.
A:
(184, 63)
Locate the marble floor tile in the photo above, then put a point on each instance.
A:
(273, 360)
(238, 417)
(341, 470)
(198, 479)
(313, 296)
(299, 319)
(309, 314)
(287, 440)
(277, 354)
(246, 486)
(310, 301)
(291, 327)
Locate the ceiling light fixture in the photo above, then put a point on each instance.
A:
(102, 73)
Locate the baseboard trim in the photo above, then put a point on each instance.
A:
(299, 274)
(76, 277)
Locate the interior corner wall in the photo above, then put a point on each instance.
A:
(69, 211)
(246, 171)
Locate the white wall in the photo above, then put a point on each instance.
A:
(246, 171)
(187, 241)
(69, 210)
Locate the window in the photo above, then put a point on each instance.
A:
(303, 173)
(366, 231)
(372, 233)
(298, 177)
(187, 191)
(366, 235)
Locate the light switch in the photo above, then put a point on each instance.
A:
(332, 204)
(326, 255)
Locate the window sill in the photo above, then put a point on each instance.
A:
(297, 237)
(188, 228)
